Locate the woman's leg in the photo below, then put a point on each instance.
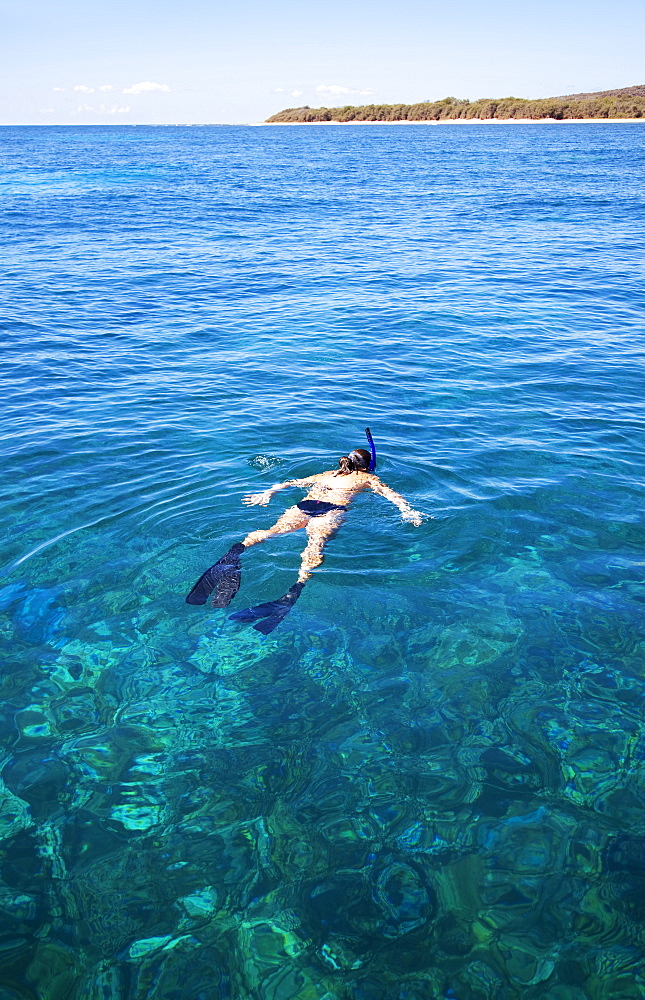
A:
(292, 520)
(224, 575)
(266, 617)
(319, 531)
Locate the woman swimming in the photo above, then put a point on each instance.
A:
(321, 514)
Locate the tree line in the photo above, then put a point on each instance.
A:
(454, 108)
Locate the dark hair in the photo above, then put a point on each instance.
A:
(357, 461)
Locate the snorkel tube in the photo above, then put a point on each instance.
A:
(370, 441)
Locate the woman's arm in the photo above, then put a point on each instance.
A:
(408, 513)
(263, 498)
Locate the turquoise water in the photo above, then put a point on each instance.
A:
(429, 782)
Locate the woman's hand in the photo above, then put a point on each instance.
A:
(413, 516)
(257, 498)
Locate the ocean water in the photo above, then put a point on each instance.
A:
(429, 781)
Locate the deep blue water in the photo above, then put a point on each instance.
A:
(429, 781)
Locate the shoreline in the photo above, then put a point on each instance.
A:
(472, 121)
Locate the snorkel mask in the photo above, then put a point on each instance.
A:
(361, 459)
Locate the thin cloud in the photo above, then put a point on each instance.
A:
(103, 109)
(106, 87)
(147, 87)
(82, 89)
(297, 93)
(334, 90)
(58, 90)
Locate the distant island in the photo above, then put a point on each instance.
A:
(626, 103)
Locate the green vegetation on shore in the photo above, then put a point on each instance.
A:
(626, 103)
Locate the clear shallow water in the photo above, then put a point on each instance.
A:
(430, 780)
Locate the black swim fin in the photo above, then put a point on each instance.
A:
(271, 611)
(224, 577)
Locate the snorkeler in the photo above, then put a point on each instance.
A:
(321, 514)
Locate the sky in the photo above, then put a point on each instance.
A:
(210, 61)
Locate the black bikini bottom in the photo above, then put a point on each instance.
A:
(317, 507)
